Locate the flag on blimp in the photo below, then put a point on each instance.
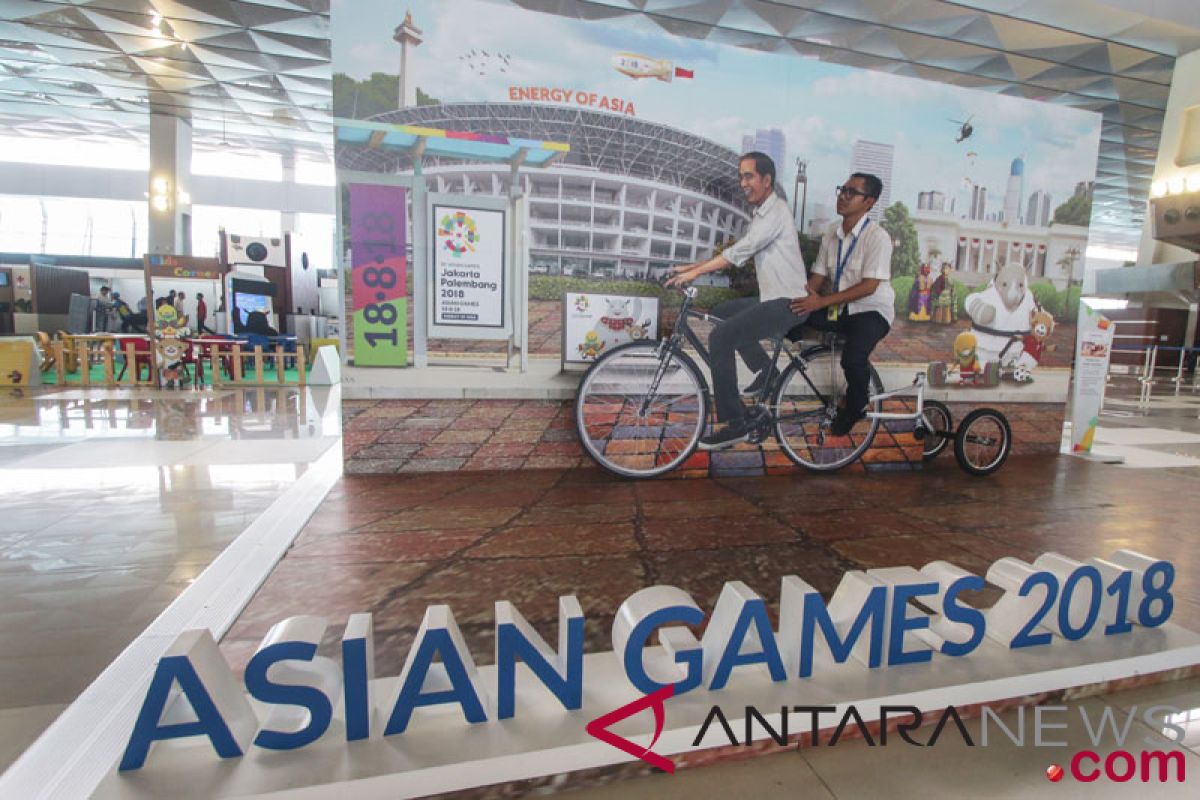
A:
(639, 66)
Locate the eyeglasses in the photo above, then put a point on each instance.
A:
(851, 191)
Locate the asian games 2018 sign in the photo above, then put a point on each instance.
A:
(885, 633)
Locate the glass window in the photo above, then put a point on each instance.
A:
(227, 164)
(75, 152)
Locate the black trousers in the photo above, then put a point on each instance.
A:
(745, 322)
(862, 332)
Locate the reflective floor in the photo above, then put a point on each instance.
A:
(111, 504)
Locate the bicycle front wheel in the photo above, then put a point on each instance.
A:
(805, 404)
(639, 416)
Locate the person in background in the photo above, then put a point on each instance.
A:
(179, 310)
(141, 305)
(202, 315)
(124, 312)
(105, 311)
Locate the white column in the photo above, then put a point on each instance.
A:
(1177, 134)
(170, 185)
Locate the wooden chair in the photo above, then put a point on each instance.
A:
(48, 359)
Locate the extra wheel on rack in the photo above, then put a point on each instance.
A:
(983, 441)
(805, 404)
(937, 426)
(637, 416)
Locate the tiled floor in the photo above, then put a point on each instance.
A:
(393, 545)
(111, 505)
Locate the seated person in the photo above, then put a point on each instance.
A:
(772, 242)
(858, 256)
(256, 322)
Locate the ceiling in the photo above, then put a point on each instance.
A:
(249, 74)
(256, 74)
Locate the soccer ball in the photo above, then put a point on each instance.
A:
(1021, 375)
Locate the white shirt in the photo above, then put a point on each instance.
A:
(872, 258)
(772, 242)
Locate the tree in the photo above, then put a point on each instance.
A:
(1076, 211)
(906, 255)
(376, 95)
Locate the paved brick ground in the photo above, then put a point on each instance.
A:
(389, 436)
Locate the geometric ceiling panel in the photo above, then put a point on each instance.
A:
(257, 73)
(249, 74)
(1090, 55)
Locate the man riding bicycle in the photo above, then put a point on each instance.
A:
(782, 281)
(858, 256)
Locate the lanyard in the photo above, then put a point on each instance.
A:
(842, 262)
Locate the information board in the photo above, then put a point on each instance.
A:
(379, 271)
(1093, 349)
(468, 266)
(594, 324)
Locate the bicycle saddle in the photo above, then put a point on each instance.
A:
(803, 332)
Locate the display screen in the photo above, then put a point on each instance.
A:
(246, 303)
(3, 279)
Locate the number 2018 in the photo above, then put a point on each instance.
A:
(1154, 609)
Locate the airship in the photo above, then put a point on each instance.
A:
(639, 66)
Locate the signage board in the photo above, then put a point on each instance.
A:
(379, 274)
(445, 723)
(594, 324)
(1093, 349)
(469, 264)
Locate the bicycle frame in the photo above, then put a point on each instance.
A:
(917, 386)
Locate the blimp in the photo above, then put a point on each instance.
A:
(639, 66)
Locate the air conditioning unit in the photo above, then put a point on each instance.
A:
(260, 250)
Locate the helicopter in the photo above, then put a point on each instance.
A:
(966, 130)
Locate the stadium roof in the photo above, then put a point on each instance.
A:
(610, 143)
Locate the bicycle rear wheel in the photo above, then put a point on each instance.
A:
(937, 425)
(983, 441)
(637, 416)
(804, 405)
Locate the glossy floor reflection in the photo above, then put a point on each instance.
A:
(112, 503)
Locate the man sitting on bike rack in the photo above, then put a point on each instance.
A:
(858, 254)
(772, 242)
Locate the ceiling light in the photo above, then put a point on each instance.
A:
(160, 202)
(1158, 189)
(1193, 182)
(160, 185)
(1175, 185)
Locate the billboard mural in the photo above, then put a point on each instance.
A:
(986, 197)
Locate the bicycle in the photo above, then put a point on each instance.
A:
(643, 406)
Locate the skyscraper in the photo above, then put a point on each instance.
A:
(1016, 188)
(1038, 210)
(875, 158)
(1084, 188)
(978, 202)
(767, 140)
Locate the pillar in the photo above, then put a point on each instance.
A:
(169, 189)
(1178, 151)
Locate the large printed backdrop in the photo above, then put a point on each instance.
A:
(656, 122)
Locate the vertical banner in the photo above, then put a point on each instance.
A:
(468, 267)
(1093, 349)
(379, 271)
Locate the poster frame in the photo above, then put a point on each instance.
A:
(504, 331)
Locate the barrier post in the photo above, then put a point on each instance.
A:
(85, 364)
(301, 365)
(237, 363)
(216, 366)
(280, 373)
(258, 364)
(60, 366)
(108, 358)
(131, 365)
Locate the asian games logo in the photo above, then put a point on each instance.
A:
(458, 233)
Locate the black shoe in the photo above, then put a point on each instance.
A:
(728, 436)
(844, 422)
(760, 380)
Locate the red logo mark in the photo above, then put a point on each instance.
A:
(1054, 772)
(599, 727)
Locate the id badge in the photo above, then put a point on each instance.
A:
(832, 313)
